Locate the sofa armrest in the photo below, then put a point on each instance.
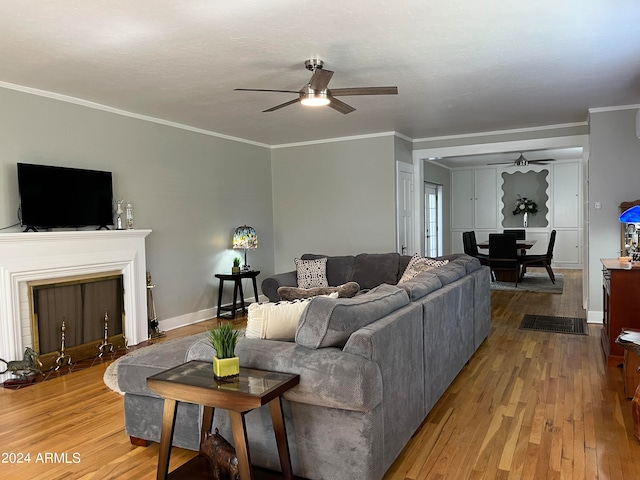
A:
(329, 377)
(271, 284)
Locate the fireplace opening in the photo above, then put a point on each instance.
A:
(92, 309)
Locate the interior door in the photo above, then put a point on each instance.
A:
(431, 220)
(405, 207)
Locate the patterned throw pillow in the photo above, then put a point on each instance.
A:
(311, 273)
(419, 264)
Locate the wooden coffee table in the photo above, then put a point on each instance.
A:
(193, 382)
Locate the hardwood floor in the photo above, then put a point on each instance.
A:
(528, 405)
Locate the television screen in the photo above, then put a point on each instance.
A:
(64, 197)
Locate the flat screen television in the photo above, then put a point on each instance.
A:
(53, 197)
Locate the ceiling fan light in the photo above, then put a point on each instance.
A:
(315, 100)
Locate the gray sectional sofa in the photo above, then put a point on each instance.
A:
(371, 367)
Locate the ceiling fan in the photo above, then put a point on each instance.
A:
(521, 161)
(316, 93)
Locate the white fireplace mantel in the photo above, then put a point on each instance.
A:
(29, 256)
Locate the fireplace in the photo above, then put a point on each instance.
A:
(83, 313)
(53, 256)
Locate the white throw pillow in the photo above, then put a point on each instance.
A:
(276, 321)
(419, 264)
(311, 273)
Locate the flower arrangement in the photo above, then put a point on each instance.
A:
(524, 205)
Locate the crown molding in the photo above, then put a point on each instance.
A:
(613, 109)
(503, 132)
(337, 139)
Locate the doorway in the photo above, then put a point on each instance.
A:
(432, 220)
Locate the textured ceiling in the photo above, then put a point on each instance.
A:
(460, 66)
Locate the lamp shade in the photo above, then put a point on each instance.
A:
(631, 215)
(245, 237)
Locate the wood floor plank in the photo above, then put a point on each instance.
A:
(528, 405)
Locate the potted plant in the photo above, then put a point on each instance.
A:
(236, 265)
(223, 339)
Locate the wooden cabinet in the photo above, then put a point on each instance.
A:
(621, 305)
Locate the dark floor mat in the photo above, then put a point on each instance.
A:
(575, 326)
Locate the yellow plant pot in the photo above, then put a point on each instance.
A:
(226, 367)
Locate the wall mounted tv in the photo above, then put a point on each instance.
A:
(53, 197)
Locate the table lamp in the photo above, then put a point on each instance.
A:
(245, 237)
(631, 215)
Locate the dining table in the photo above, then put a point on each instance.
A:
(522, 245)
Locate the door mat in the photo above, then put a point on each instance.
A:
(541, 323)
(533, 282)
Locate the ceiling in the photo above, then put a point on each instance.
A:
(460, 66)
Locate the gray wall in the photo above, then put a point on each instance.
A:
(334, 198)
(614, 177)
(403, 150)
(191, 189)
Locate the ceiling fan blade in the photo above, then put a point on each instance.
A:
(364, 91)
(341, 106)
(277, 107)
(543, 160)
(320, 79)
(501, 163)
(263, 90)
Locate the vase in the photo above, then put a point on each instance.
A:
(524, 219)
(226, 367)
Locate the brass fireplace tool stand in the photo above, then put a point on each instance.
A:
(62, 356)
(154, 331)
(105, 345)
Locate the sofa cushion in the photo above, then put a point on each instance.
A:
(134, 367)
(329, 377)
(470, 264)
(419, 264)
(373, 269)
(450, 272)
(421, 285)
(339, 268)
(311, 273)
(347, 290)
(329, 322)
(402, 265)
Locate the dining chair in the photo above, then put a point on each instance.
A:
(503, 255)
(520, 233)
(542, 261)
(470, 246)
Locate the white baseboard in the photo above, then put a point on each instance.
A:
(594, 317)
(187, 319)
(195, 317)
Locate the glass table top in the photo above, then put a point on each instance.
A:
(200, 374)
